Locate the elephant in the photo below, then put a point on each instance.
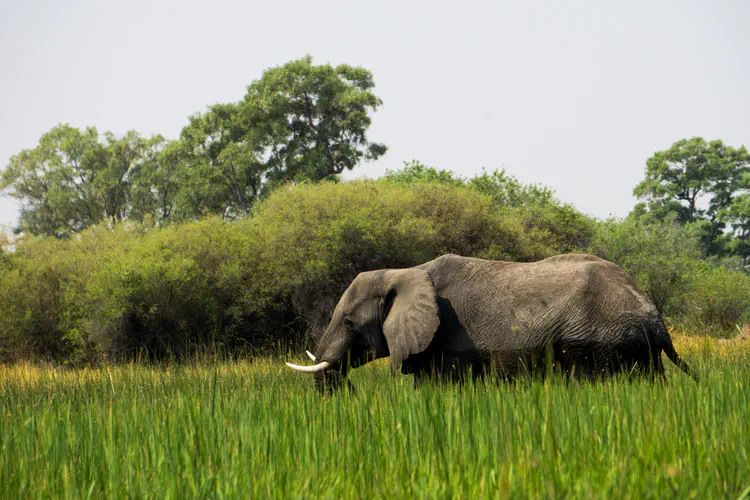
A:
(458, 315)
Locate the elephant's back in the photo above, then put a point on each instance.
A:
(575, 281)
(559, 284)
(526, 301)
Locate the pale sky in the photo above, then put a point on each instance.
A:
(574, 95)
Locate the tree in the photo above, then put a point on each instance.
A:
(415, 171)
(737, 215)
(118, 160)
(155, 185)
(298, 122)
(312, 120)
(224, 167)
(678, 178)
(72, 180)
(55, 181)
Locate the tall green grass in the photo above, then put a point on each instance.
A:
(239, 430)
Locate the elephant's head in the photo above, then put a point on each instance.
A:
(382, 313)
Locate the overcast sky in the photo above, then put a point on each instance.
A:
(574, 95)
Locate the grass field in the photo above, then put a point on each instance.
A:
(254, 429)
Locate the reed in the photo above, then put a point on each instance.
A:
(218, 429)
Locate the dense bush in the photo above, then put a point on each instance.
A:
(718, 303)
(109, 291)
(42, 294)
(545, 219)
(166, 295)
(270, 278)
(661, 257)
(664, 258)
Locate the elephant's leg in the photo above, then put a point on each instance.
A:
(478, 374)
(506, 365)
(419, 378)
(655, 367)
(425, 372)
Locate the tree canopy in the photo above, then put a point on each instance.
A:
(73, 179)
(299, 121)
(703, 183)
(315, 118)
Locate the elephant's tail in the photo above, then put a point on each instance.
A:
(668, 348)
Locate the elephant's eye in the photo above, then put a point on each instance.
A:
(349, 323)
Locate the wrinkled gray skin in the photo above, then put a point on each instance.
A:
(456, 315)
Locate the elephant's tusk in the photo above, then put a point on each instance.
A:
(312, 356)
(310, 369)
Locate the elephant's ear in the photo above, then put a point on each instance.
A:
(411, 313)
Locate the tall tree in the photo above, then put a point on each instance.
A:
(297, 122)
(690, 171)
(224, 167)
(72, 180)
(155, 185)
(737, 216)
(120, 158)
(313, 120)
(55, 181)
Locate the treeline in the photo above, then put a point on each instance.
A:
(297, 122)
(273, 277)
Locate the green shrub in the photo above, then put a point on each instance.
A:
(41, 306)
(718, 302)
(665, 260)
(168, 294)
(258, 282)
(661, 257)
(544, 219)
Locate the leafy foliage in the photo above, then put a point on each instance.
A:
(224, 169)
(718, 302)
(42, 306)
(545, 218)
(297, 122)
(664, 257)
(73, 180)
(737, 215)
(162, 297)
(661, 256)
(678, 178)
(414, 172)
(158, 188)
(314, 118)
